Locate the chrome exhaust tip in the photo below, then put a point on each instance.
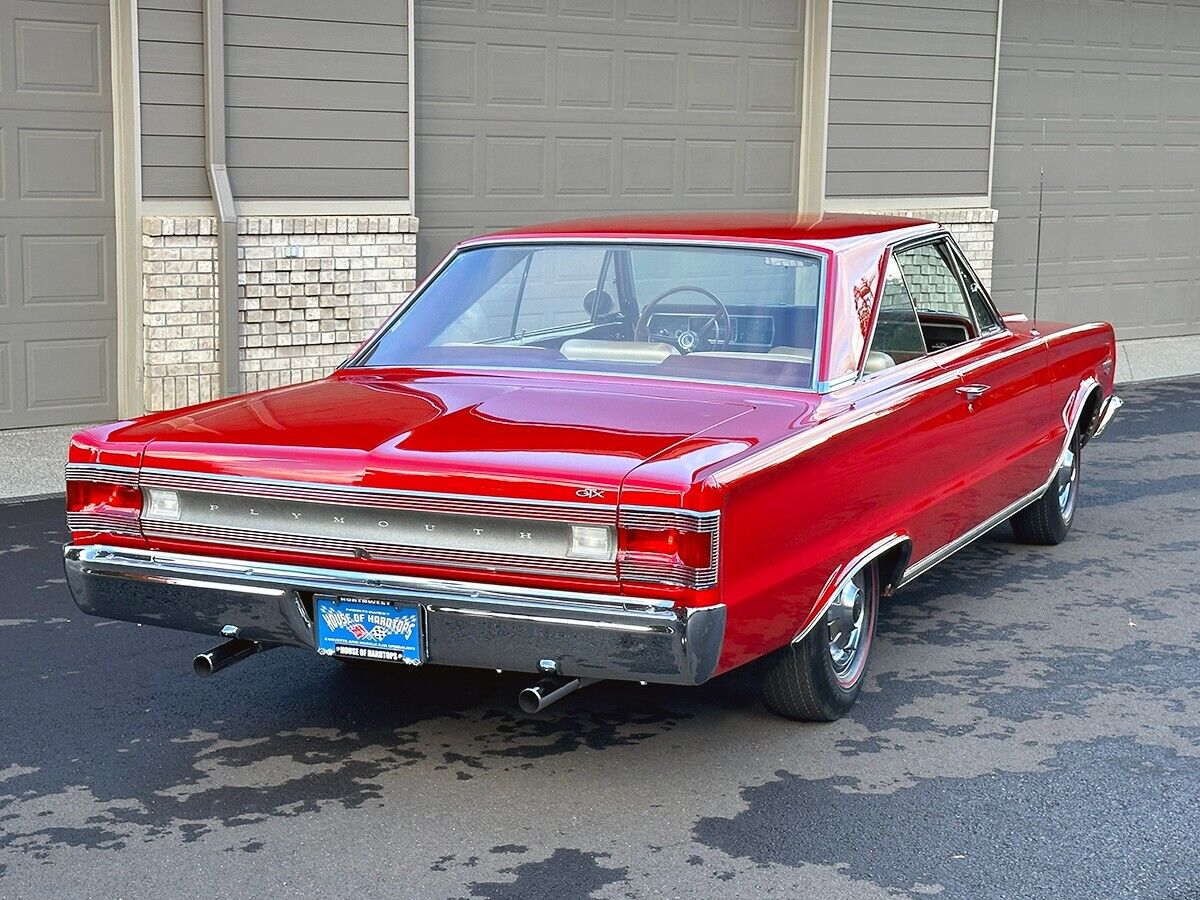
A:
(549, 690)
(224, 656)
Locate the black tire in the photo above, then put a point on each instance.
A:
(1047, 521)
(802, 680)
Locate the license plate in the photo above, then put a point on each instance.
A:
(369, 629)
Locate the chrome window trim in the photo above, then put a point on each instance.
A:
(863, 375)
(961, 256)
(891, 250)
(946, 237)
(355, 359)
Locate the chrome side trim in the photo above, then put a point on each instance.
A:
(837, 581)
(103, 473)
(928, 562)
(923, 565)
(387, 498)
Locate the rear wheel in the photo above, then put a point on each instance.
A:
(1048, 520)
(817, 678)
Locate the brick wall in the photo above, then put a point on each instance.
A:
(313, 287)
(179, 290)
(310, 289)
(974, 229)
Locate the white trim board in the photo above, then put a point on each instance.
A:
(889, 204)
(127, 181)
(269, 208)
(816, 56)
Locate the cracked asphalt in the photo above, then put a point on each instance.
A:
(1030, 726)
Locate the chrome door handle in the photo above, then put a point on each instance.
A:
(973, 391)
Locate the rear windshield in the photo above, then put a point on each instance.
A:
(710, 313)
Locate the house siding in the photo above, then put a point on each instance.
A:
(910, 98)
(317, 99)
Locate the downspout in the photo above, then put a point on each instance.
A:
(222, 195)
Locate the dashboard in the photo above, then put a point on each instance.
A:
(749, 332)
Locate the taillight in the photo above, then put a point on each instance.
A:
(100, 507)
(691, 548)
(95, 496)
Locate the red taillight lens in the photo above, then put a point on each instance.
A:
(89, 496)
(691, 548)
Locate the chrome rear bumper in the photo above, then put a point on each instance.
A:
(466, 624)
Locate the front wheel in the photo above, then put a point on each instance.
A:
(817, 678)
(1047, 520)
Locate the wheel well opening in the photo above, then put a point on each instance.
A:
(1091, 415)
(892, 563)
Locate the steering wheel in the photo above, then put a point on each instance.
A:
(687, 340)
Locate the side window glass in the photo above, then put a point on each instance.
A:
(933, 284)
(977, 297)
(897, 335)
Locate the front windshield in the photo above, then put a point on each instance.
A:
(710, 313)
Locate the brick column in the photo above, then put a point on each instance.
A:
(311, 288)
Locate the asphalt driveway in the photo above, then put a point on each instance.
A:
(1030, 727)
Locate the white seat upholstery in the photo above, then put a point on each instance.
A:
(582, 350)
(877, 361)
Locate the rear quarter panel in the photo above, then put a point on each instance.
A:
(1082, 361)
(796, 515)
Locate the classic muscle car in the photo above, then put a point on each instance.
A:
(641, 450)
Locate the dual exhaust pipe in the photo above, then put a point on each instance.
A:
(532, 700)
(549, 690)
(224, 656)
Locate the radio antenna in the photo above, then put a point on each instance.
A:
(1037, 253)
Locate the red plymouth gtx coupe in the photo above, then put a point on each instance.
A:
(651, 451)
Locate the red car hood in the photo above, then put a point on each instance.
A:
(536, 438)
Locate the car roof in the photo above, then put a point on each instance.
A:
(729, 226)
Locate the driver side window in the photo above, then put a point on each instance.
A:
(897, 337)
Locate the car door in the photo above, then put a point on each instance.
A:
(907, 441)
(1004, 414)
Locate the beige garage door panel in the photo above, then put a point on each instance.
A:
(1118, 84)
(57, 236)
(528, 112)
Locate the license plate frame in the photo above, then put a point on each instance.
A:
(365, 628)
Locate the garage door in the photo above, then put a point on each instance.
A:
(1118, 84)
(540, 109)
(57, 284)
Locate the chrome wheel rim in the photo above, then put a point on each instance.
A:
(1067, 482)
(846, 620)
